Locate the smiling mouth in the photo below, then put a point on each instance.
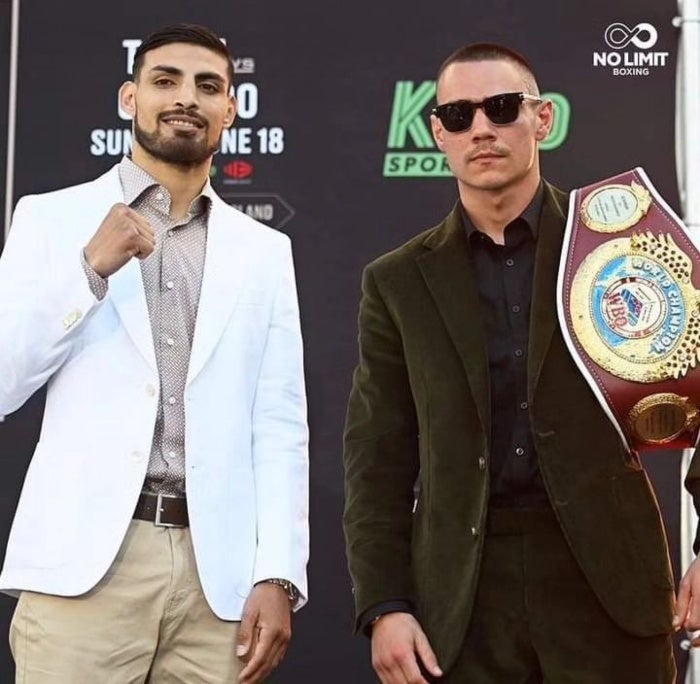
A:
(181, 123)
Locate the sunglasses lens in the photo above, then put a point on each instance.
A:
(456, 117)
(502, 109)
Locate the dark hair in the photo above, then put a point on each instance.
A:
(183, 33)
(482, 52)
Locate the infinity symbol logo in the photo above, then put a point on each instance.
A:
(618, 36)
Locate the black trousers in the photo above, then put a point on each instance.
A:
(537, 621)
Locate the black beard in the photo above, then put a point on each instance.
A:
(180, 151)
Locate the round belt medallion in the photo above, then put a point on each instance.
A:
(615, 207)
(634, 309)
(661, 418)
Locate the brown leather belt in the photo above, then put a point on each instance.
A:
(162, 510)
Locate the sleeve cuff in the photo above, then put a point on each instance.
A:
(368, 617)
(98, 284)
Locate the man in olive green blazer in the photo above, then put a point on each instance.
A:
(428, 553)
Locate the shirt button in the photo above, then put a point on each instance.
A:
(159, 196)
(519, 451)
(518, 352)
(170, 284)
(515, 308)
(172, 400)
(170, 233)
(509, 262)
(475, 531)
(171, 455)
(523, 405)
(170, 341)
(482, 463)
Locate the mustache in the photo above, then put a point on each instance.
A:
(494, 150)
(190, 114)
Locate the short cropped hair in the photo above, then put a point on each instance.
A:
(183, 33)
(483, 52)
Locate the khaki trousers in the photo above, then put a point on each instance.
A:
(146, 621)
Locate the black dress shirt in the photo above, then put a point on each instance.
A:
(504, 275)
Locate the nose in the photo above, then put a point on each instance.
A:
(186, 95)
(481, 127)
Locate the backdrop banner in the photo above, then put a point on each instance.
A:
(332, 146)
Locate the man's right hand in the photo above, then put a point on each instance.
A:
(122, 235)
(398, 644)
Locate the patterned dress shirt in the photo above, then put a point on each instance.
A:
(172, 280)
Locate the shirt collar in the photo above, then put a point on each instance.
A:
(135, 181)
(531, 214)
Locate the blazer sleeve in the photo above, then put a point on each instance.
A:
(280, 443)
(44, 302)
(380, 459)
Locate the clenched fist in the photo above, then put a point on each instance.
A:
(123, 234)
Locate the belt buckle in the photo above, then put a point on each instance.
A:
(158, 522)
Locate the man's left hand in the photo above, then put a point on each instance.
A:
(688, 601)
(266, 628)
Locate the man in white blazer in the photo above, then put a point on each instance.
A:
(161, 534)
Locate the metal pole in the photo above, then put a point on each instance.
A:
(688, 172)
(11, 117)
(688, 111)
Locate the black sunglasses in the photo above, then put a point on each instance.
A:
(500, 109)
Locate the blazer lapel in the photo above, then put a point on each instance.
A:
(449, 275)
(226, 266)
(543, 309)
(126, 286)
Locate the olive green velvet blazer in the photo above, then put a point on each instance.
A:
(419, 406)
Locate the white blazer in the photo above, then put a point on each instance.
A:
(246, 433)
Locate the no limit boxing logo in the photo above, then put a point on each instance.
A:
(618, 36)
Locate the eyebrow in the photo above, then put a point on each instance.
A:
(202, 76)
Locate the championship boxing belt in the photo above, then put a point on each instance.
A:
(629, 309)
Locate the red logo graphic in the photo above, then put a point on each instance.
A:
(238, 169)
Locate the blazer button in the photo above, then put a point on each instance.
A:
(71, 319)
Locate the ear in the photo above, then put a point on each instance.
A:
(545, 120)
(127, 97)
(231, 109)
(438, 131)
